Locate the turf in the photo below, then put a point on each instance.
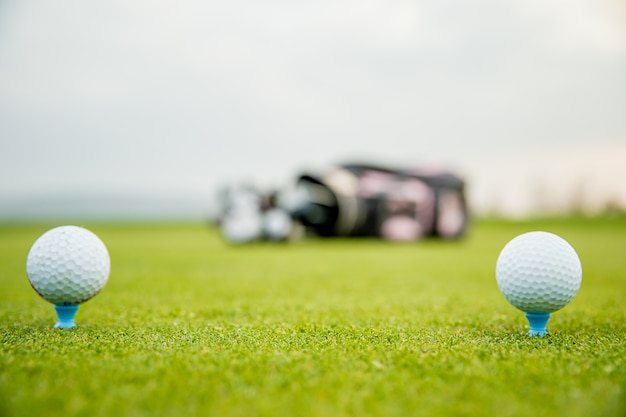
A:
(188, 325)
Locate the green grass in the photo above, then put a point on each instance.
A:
(190, 326)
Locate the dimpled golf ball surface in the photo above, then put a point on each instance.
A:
(538, 272)
(68, 265)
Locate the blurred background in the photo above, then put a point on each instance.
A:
(136, 109)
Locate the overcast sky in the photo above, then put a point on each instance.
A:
(176, 97)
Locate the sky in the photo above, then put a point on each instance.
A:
(159, 98)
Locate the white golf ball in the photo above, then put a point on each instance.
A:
(538, 272)
(68, 265)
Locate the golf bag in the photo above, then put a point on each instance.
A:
(367, 200)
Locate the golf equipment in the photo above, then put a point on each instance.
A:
(277, 224)
(242, 226)
(370, 200)
(538, 273)
(67, 266)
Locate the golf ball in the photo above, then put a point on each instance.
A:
(68, 265)
(538, 272)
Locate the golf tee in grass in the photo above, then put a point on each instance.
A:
(65, 316)
(538, 323)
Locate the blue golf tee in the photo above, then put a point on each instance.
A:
(65, 316)
(538, 322)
